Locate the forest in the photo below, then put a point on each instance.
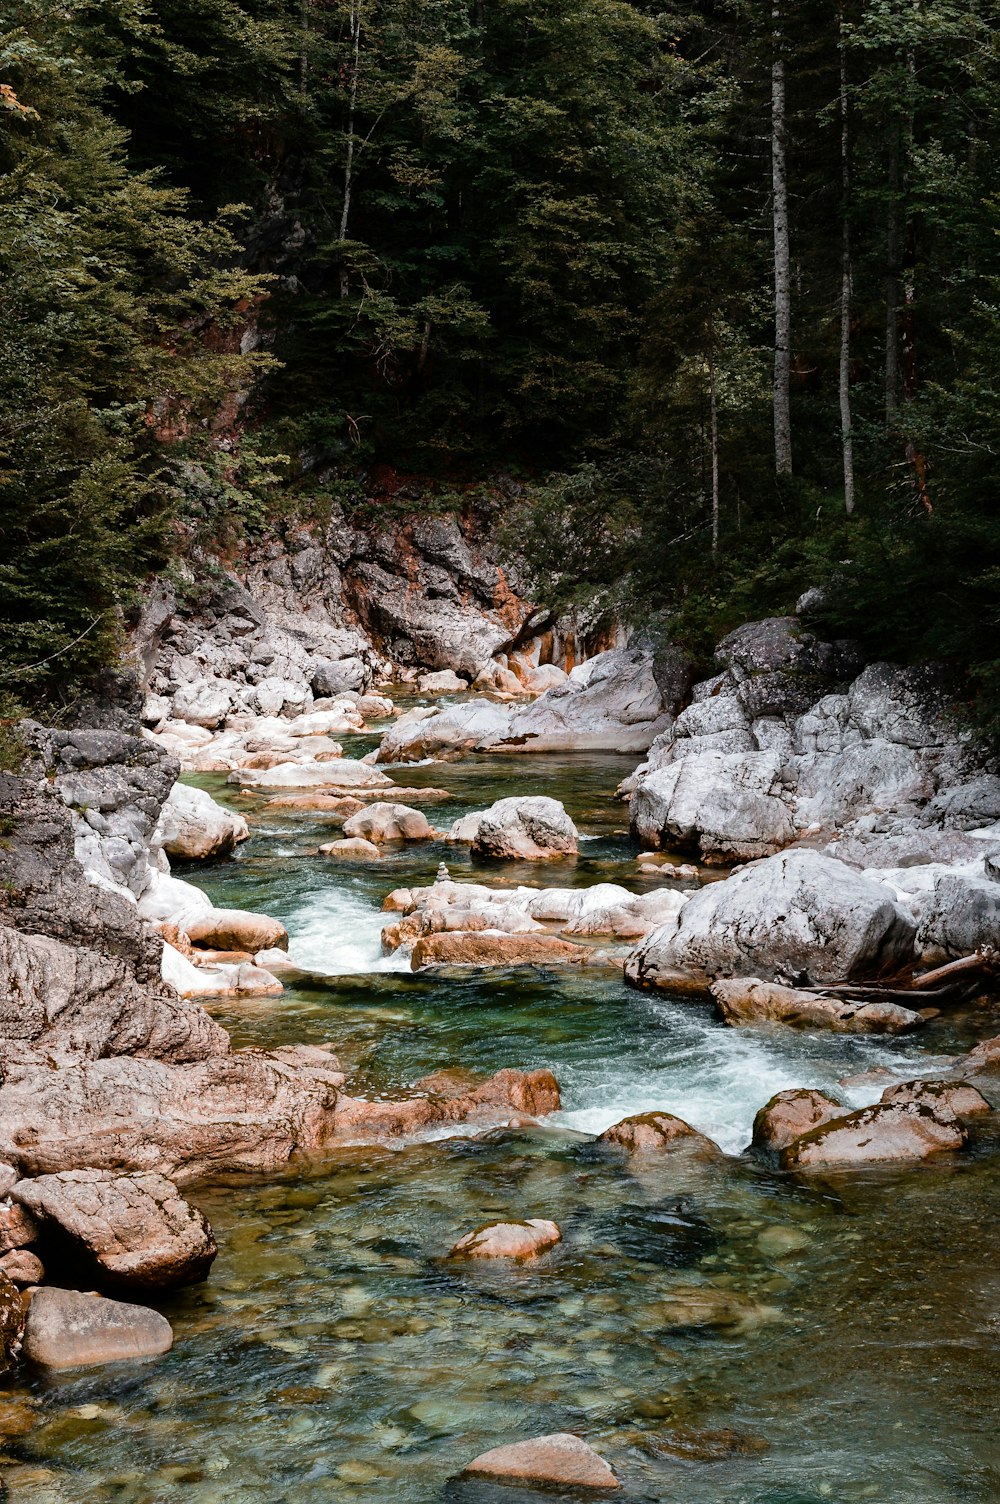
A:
(703, 303)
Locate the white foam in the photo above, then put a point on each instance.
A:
(340, 934)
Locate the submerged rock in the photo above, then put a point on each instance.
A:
(704, 1307)
(888, 1133)
(790, 1114)
(747, 1000)
(67, 1329)
(557, 1461)
(517, 1241)
(135, 1232)
(799, 916)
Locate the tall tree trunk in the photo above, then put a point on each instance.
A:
(714, 426)
(846, 437)
(892, 289)
(345, 213)
(782, 261)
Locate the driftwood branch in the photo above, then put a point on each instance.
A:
(948, 983)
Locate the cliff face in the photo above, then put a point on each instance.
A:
(314, 611)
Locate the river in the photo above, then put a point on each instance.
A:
(334, 1355)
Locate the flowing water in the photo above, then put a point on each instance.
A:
(334, 1355)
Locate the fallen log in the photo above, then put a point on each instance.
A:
(951, 982)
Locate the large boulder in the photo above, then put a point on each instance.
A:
(789, 1115)
(660, 1134)
(423, 732)
(194, 828)
(133, 1233)
(338, 773)
(384, 821)
(798, 916)
(747, 1000)
(611, 702)
(963, 916)
(67, 1329)
(723, 805)
(560, 1461)
(236, 929)
(532, 829)
(890, 1132)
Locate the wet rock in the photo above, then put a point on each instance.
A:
(777, 1242)
(236, 929)
(670, 1234)
(11, 1320)
(694, 1444)
(136, 1233)
(67, 1329)
(706, 1308)
(789, 1115)
(557, 1461)
(529, 1093)
(959, 1097)
(388, 822)
(516, 1241)
(888, 1133)
(352, 848)
(249, 1110)
(747, 1000)
(797, 916)
(657, 1133)
(494, 949)
(984, 1058)
(18, 1227)
(23, 1267)
(340, 773)
(879, 1075)
(194, 828)
(532, 829)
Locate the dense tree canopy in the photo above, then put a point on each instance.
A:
(559, 240)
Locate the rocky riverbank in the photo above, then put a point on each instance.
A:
(868, 860)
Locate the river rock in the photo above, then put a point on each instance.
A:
(384, 821)
(517, 1241)
(747, 1000)
(194, 828)
(525, 1094)
(441, 681)
(532, 829)
(959, 1097)
(22, 1266)
(18, 1227)
(722, 805)
(706, 1308)
(352, 848)
(67, 1329)
(658, 1133)
(789, 1115)
(888, 1133)
(339, 773)
(491, 948)
(423, 733)
(559, 1461)
(963, 916)
(12, 1316)
(236, 929)
(136, 1233)
(798, 916)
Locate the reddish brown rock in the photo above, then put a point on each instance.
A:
(959, 1097)
(236, 929)
(352, 849)
(23, 1267)
(658, 1133)
(492, 949)
(68, 1329)
(338, 807)
(789, 1115)
(11, 1321)
(746, 1000)
(557, 1461)
(529, 1093)
(18, 1227)
(984, 1058)
(888, 1133)
(133, 1233)
(517, 1241)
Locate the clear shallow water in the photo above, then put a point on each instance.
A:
(332, 1355)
